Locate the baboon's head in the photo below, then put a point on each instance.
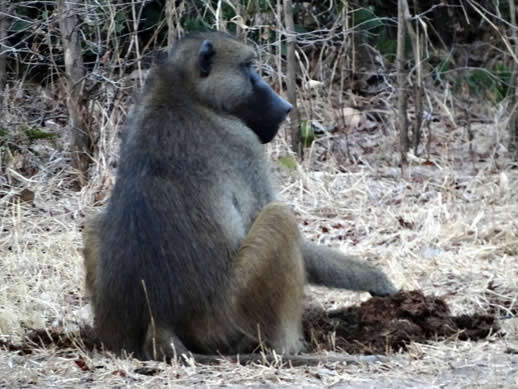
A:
(221, 75)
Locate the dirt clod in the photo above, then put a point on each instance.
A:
(42, 338)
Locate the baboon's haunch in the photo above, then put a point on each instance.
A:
(193, 252)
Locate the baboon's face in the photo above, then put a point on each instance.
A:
(226, 79)
(261, 108)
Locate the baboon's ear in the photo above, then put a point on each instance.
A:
(204, 57)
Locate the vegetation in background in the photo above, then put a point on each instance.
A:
(343, 47)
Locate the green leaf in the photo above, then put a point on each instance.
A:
(35, 134)
(288, 162)
(306, 133)
(20, 25)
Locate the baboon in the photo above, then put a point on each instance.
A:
(194, 253)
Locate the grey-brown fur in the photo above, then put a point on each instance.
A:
(193, 226)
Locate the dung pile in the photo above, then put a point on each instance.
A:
(381, 324)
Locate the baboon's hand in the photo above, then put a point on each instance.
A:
(382, 286)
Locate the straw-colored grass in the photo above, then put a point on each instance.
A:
(451, 230)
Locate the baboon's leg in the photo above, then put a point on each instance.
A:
(161, 343)
(269, 271)
(325, 266)
(91, 243)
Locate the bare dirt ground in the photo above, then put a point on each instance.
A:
(450, 231)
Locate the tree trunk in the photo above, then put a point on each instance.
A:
(513, 89)
(417, 48)
(278, 37)
(4, 24)
(402, 98)
(296, 144)
(80, 139)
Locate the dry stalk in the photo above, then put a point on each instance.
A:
(174, 14)
(417, 48)
(296, 144)
(135, 40)
(469, 130)
(513, 88)
(403, 96)
(480, 10)
(151, 320)
(278, 55)
(307, 102)
(345, 72)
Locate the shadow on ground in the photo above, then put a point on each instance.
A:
(377, 326)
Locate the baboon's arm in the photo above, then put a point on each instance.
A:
(328, 267)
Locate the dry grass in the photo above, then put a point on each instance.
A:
(451, 230)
